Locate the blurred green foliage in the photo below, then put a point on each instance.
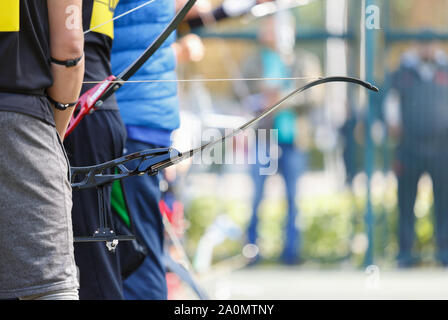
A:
(332, 227)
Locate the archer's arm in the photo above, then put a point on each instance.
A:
(66, 43)
(228, 9)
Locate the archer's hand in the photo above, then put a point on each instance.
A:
(235, 8)
(201, 6)
(189, 48)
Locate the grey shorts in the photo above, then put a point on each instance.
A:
(36, 237)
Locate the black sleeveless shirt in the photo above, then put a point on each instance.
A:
(25, 70)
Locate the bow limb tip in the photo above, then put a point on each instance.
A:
(374, 88)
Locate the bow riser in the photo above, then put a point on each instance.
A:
(88, 102)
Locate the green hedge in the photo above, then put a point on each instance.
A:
(332, 226)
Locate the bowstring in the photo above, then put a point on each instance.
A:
(208, 80)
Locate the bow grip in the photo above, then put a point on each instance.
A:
(87, 103)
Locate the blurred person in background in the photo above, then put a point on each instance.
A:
(416, 111)
(276, 59)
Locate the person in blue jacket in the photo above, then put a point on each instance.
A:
(150, 113)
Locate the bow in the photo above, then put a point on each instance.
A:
(95, 97)
(152, 161)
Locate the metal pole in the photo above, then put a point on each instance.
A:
(369, 47)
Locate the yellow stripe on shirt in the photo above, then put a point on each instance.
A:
(9, 15)
(103, 11)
